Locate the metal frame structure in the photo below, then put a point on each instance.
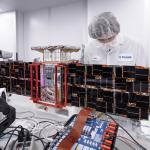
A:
(34, 66)
(37, 99)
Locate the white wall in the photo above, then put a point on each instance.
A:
(36, 30)
(133, 15)
(8, 32)
(20, 35)
(67, 24)
(146, 32)
(130, 14)
(64, 24)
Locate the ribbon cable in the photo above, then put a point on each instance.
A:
(75, 133)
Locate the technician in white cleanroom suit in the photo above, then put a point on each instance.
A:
(108, 47)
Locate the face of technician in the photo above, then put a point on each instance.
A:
(108, 45)
(108, 40)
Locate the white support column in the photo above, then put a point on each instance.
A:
(146, 27)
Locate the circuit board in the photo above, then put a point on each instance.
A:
(96, 135)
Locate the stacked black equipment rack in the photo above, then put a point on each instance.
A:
(15, 77)
(122, 90)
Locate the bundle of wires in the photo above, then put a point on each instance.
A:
(54, 122)
(36, 125)
(26, 112)
(137, 143)
(18, 129)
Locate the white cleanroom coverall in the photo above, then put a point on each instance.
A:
(121, 51)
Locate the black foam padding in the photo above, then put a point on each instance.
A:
(144, 72)
(89, 70)
(118, 71)
(121, 110)
(137, 86)
(129, 74)
(81, 92)
(11, 116)
(101, 106)
(80, 80)
(133, 97)
(121, 99)
(144, 87)
(92, 92)
(72, 68)
(97, 70)
(133, 112)
(129, 68)
(109, 83)
(120, 83)
(103, 83)
(144, 113)
(141, 78)
(80, 70)
(91, 80)
(121, 90)
(91, 104)
(110, 107)
(75, 101)
(71, 79)
(82, 101)
(130, 86)
(98, 83)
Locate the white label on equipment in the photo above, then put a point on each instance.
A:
(125, 57)
(96, 58)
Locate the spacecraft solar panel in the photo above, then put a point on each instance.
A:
(120, 90)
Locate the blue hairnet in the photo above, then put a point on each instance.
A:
(104, 26)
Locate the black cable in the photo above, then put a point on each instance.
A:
(14, 144)
(128, 144)
(39, 139)
(32, 135)
(27, 112)
(70, 120)
(11, 133)
(15, 129)
(116, 148)
(131, 141)
(28, 119)
(43, 129)
(5, 133)
(126, 131)
(45, 122)
(47, 146)
(49, 119)
(24, 142)
(23, 118)
(33, 116)
(27, 138)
